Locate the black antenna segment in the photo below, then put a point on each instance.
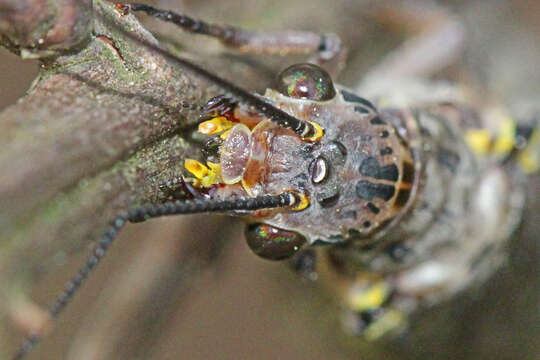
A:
(143, 213)
(306, 130)
(185, 22)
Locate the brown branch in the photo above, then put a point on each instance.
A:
(100, 128)
(39, 28)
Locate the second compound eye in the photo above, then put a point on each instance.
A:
(306, 81)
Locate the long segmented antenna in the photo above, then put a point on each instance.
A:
(308, 131)
(146, 212)
(185, 22)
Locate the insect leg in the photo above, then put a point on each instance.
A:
(327, 49)
(143, 213)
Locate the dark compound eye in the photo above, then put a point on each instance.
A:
(306, 81)
(272, 243)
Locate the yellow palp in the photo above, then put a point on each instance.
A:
(215, 125)
(205, 175)
(215, 167)
(225, 134)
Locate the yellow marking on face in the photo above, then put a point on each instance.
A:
(215, 167)
(205, 176)
(479, 140)
(215, 125)
(302, 204)
(319, 132)
(506, 139)
(390, 321)
(371, 298)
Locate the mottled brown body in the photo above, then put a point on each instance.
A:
(455, 231)
(414, 209)
(367, 172)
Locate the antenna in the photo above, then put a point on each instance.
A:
(143, 213)
(306, 130)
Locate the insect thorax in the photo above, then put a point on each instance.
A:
(464, 207)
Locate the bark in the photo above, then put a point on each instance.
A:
(101, 127)
(105, 122)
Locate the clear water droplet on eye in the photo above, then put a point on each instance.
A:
(319, 170)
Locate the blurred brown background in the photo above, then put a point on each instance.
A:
(242, 307)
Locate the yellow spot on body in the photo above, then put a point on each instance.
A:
(506, 140)
(319, 132)
(389, 321)
(368, 299)
(215, 125)
(479, 140)
(205, 175)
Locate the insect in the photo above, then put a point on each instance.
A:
(360, 179)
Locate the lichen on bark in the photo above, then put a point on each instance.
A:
(101, 127)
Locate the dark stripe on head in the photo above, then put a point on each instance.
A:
(373, 208)
(350, 97)
(361, 110)
(402, 197)
(371, 167)
(408, 172)
(389, 172)
(386, 151)
(377, 121)
(368, 190)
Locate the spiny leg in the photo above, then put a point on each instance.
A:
(143, 213)
(327, 49)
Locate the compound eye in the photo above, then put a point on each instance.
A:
(306, 81)
(272, 243)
